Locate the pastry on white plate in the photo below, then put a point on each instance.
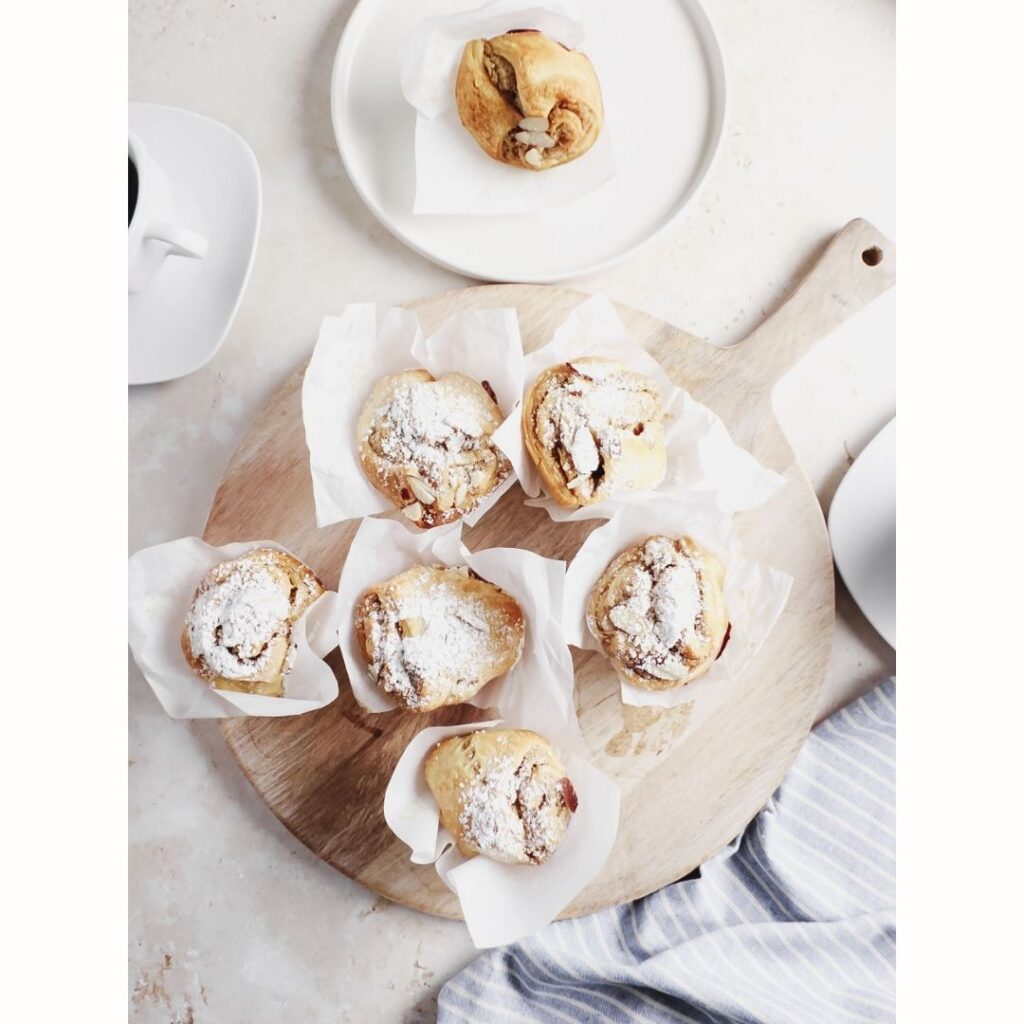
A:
(528, 100)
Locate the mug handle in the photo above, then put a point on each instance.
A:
(182, 242)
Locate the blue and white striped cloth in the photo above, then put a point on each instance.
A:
(793, 922)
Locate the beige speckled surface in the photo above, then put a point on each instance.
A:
(232, 920)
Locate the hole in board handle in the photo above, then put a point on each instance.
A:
(873, 256)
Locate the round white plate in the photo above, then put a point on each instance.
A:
(862, 525)
(665, 121)
(178, 323)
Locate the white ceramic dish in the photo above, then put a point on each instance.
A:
(178, 322)
(862, 525)
(668, 111)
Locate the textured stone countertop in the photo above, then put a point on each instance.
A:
(232, 920)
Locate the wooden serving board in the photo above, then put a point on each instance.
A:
(323, 774)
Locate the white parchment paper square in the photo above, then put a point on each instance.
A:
(382, 548)
(370, 341)
(701, 454)
(755, 594)
(505, 902)
(453, 174)
(161, 583)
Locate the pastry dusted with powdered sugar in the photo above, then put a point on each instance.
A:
(593, 427)
(434, 635)
(659, 613)
(426, 444)
(502, 793)
(238, 632)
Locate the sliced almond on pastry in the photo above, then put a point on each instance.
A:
(446, 499)
(421, 490)
(669, 670)
(540, 139)
(627, 620)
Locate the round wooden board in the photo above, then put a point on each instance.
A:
(324, 774)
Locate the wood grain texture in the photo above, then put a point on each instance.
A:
(324, 774)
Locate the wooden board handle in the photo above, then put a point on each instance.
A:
(857, 266)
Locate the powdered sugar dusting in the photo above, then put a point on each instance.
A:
(236, 615)
(426, 639)
(428, 423)
(583, 416)
(675, 601)
(661, 615)
(427, 444)
(508, 813)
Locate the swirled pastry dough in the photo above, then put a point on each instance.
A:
(527, 100)
(502, 793)
(426, 444)
(593, 427)
(659, 613)
(434, 635)
(238, 632)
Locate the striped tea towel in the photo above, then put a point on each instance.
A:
(793, 922)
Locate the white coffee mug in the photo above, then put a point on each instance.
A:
(153, 231)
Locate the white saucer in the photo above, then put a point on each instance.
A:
(179, 321)
(862, 524)
(666, 118)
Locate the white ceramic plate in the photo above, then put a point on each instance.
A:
(666, 121)
(179, 321)
(862, 524)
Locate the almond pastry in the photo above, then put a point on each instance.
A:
(502, 793)
(659, 613)
(433, 636)
(593, 427)
(527, 100)
(426, 444)
(238, 632)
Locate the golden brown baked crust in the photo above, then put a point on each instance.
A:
(502, 793)
(433, 636)
(593, 427)
(238, 632)
(527, 100)
(426, 444)
(659, 613)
